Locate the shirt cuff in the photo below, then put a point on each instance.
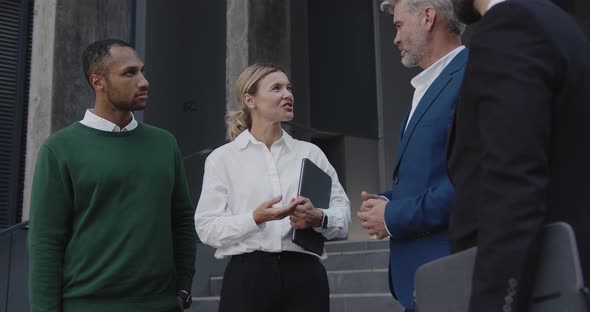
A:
(384, 198)
(384, 219)
(319, 228)
(251, 225)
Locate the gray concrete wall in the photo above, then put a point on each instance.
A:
(58, 92)
(185, 47)
(237, 19)
(185, 61)
(258, 31)
(269, 34)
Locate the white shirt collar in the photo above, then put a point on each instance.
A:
(494, 2)
(427, 76)
(246, 137)
(96, 122)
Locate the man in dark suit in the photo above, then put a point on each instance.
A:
(414, 214)
(519, 149)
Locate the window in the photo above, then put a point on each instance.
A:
(15, 58)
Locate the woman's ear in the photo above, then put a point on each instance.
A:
(249, 101)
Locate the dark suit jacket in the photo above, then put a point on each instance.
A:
(519, 150)
(417, 213)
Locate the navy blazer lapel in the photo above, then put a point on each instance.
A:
(429, 97)
(402, 130)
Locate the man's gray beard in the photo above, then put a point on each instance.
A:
(410, 61)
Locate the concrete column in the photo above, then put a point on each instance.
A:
(257, 31)
(237, 47)
(59, 93)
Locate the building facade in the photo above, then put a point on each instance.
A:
(351, 91)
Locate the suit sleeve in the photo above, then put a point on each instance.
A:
(49, 224)
(411, 217)
(184, 234)
(386, 195)
(511, 57)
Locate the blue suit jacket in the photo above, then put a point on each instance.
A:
(417, 213)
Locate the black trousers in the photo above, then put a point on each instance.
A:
(275, 282)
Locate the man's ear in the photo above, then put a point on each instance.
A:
(429, 18)
(97, 82)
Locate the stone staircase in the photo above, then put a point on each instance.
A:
(357, 273)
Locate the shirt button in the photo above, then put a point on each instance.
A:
(395, 180)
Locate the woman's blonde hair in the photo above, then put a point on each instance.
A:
(247, 83)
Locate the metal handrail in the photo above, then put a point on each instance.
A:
(14, 228)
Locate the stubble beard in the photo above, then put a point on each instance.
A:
(416, 51)
(126, 105)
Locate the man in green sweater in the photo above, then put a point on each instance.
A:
(111, 219)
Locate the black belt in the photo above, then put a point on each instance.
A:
(284, 255)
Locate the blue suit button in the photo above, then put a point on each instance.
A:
(395, 180)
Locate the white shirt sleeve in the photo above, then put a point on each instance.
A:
(338, 213)
(386, 200)
(215, 225)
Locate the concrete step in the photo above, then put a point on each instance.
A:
(204, 304)
(364, 302)
(338, 303)
(341, 282)
(357, 260)
(339, 246)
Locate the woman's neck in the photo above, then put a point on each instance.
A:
(267, 133)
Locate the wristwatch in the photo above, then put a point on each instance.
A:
(325, 221)
(186, 297)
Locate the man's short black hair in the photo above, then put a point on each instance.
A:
(96, 54)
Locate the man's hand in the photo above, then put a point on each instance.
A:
(366, 196)
(365, 206)
(372, 215)
(265, 212)
(306, 215)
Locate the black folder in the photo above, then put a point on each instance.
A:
(316, 185)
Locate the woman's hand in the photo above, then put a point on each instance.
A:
(306, 215)
(265, 212)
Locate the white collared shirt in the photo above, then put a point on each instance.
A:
(422, 81)
(96, 122)
(493, 2)
(241, 175)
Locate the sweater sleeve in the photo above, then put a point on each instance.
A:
(183, 228)
(49, 224)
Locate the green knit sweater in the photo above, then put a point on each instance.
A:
(111, 222)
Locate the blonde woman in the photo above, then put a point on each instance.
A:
(249, 205)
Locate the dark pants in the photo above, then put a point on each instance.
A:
(275, 282)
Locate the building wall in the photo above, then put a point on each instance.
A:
(185, 61)
(194, 51)
(59, 93)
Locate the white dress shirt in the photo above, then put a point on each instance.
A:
(96, 122)
(493, 2)
(241, 175)
(422, 81)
